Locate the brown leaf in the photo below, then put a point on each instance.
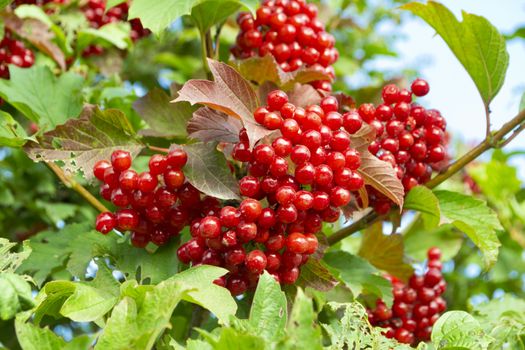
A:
(80, 143)
(37, 33)
(346, 102)
(210, 125)
(304, 95)
(314, 274)
(230, 93)
(385, 252)
(264, 89)
(262, 69)
(377, 173)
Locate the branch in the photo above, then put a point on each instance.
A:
(493, 140)
(75, 186)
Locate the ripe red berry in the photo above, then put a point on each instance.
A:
(105, 222)
(420, 87)
(177, 158)
(99, 168)
(120, 160)
(250, 209)
(256, 261)
(276, 99)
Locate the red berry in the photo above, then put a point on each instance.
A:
(99, 168)
(256, 261)
(420, 87)
(120, 160)
(210, 227)
(177, 158)
(250, 209)
(277, 98)
(105, 222)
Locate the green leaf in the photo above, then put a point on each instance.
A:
(353, 331)
(81, 142)
(475, 42)
(135, 325)
(202, 291)
(113, 3)
(303, 331)
(385, 252)
(4, 3)
(164, 118)
(268, 314)
(116, 34)
(208, 171)
(42, 97)
(232, 339)
(459, 330)
(11, 261)
(211, 12)
(87, 303)
(418, 240)
(51, 298)
(32, 337)
(16, 295)
(496, 179)
(474, 218)
(359, 275)
(422, 199)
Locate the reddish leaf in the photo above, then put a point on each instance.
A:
(211, 125)
(229, 93)
(314, 274)
(81, 142)
(164, 118)
(37, 33)
(304, 95)
(261, 69)
(264, 89)
(377, 173)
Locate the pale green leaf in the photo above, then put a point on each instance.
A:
(87, 303)
(268, 313)
(11, 261)
(4, 3)
(418, 240)
(211, 12)
(42, 97)
(12, 134)
(359, 275)
(459, 330)
(496, 179)
(422, 199)
(476, 43)
(116, 34)
(474, 218)
(15, 296)
(32, 337)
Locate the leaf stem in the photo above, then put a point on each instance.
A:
(493, 140)
(75, 186)
(487, 121)
(206, 52)
(159, 149)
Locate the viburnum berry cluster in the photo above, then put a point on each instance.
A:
(417, 306)
(154, 205)
(306, 174)
(95, 12)
(290, 31)
(13, 51)
(408, 136)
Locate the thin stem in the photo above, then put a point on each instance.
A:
(159, 149)
(206, 52)
(217, 40)
(515, 125)
(487, 121)
(75, 186)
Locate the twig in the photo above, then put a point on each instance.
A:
(75, 186)
(515, 125)
(206, 52)
(159, 149)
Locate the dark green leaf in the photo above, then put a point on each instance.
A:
(81, 142)
(208, 13)
(208, 171)
(42, 97)
(476, 43)
(164, 118)
(268, 314)
(473, 217)
(422, 199)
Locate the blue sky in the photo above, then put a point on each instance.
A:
(452, 90)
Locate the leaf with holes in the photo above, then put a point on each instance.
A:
(377, 173)
(475, 42)
(81, 142)
(165, 119)
(262, 69)
(211, 125)
(229, 93)
(208, 171)
(37, 33)
(385, 252)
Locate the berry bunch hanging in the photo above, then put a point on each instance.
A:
(417, 306)
(154, 205)
(95, 12)
(305, 175)
(13, 51)
(290, 31)
(408, 136)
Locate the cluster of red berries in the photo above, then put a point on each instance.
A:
(306, 174)
(417, 306)
(13, 51)
(290, 31)
(154, 205)
(95, 12)
(408, 136)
